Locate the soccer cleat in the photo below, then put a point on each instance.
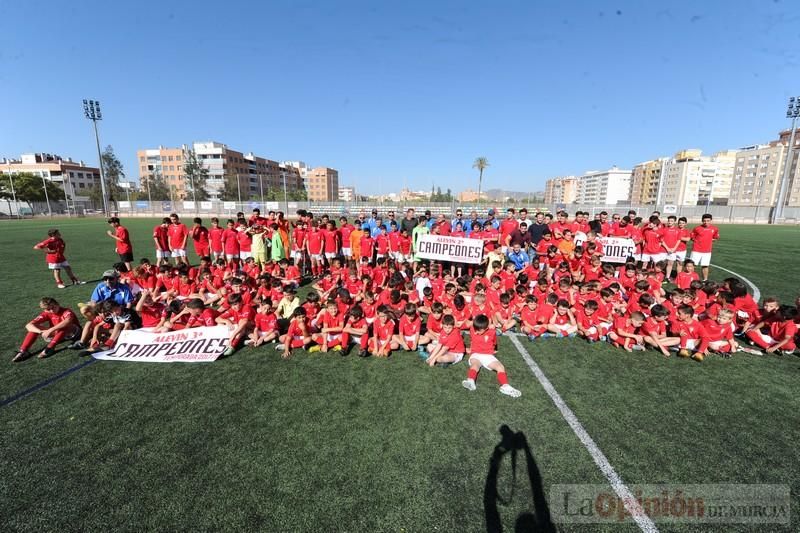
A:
(468, 384)
(20, 356)
(683, 352)
(548, 335)
(280, 347)
(346, 351)
(336, 349)
(363, 353)
(508, 390)
(61, 286)
(638, 348)
(229, 351)
(78, 282)
(531, 338)
(77, 345)
(498, 331)
(248, 342)
(47, 352)
(698, 357)
(314, 349)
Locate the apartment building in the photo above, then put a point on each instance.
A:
(645, 181)
(689, 178)
(604, 187)
(74, 177)
(561, 190)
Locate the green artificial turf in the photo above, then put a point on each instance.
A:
(326, 443)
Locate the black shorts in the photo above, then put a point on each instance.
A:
(126, 257)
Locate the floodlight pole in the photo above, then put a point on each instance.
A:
(91, 109)
(793, 111)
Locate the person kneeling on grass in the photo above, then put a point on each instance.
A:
(63, 325)
(483, 341)
(239, 319)
(449, 348)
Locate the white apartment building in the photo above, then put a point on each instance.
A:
(690, 178)
(605, 187)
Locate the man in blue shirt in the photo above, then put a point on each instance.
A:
(111, 289)
(459, 218)
(518, 256)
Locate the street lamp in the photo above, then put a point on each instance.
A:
(91, 109)
(792, 112)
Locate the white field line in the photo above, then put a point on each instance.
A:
(637, 513)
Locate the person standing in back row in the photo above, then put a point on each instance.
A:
(703, 237)
(123, 238)
(178, 233)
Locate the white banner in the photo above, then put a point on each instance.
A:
(188, 204)
(124, 204)
(272, 206)
(206, 205)
(580, 238)
(455, 249)
(229, 206)
(670, 209)
(186, 345)
(617, 249)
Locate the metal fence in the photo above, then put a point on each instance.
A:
(721, 213)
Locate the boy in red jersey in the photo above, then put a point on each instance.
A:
(266, 324)
(54, 247)
(449, 346)
(299, 245)
(654, 330)
(200, 238)
(718, 335)
(563, 323)
(62, 324)
(433, 325)
(120, 234)
(409, 329)
(588, 322)
(355, 330)
(624, 332)
(776, 331)
(297, 335)
(703, 237)
(230, 242)
(330, 322)
(198, 314)
(215, 239)
(690, 331)
(504, 318)
(534, 323)
(331, 238)
(177, 234)
(381, 343)
(345, 230)
(483, 342)
(239, 318)
(314, 246)
(161, 240)
(685, 278)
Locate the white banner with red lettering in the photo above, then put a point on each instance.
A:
(195, 345)
(617, 249)
(454, 249)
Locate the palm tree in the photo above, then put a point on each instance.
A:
(480, 163)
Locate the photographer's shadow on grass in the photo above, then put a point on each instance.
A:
(537, 517)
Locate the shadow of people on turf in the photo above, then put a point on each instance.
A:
(539, 519)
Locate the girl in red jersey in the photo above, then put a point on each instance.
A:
(54, 247)
(483, 342)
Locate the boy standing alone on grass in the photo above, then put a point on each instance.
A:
(54, 247)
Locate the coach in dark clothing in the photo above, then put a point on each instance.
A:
(409, 222)
(537, 229)
(520, 236)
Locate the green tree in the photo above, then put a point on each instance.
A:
(480, 163)
(298, 195)
(114, 173)
(155, 187)
(230, 188)
(196, 177)
(30, 188)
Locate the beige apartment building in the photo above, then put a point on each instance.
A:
(561, 190)
(689, 178)
(759, 170)
(322, 184)
(255, 175)
(645, 180)
(74, 177)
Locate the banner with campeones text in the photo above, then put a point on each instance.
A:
(453, 249)
(195, 345)
(617, 249)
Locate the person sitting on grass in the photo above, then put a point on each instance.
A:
(266, 324)
(331, 322)
(690, 331)
(239, 319)
(654, 330)
(563, 323)
(298, 334)
(775, 332)
(355, 330)
(381, 343)
(718, 336)
(483, 342)
(625, 331)
(54, 324)
(449, 347)
(409, 328)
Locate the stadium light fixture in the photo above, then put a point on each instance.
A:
(792, 112)
(91, 110)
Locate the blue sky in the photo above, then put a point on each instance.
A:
(402, 92)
